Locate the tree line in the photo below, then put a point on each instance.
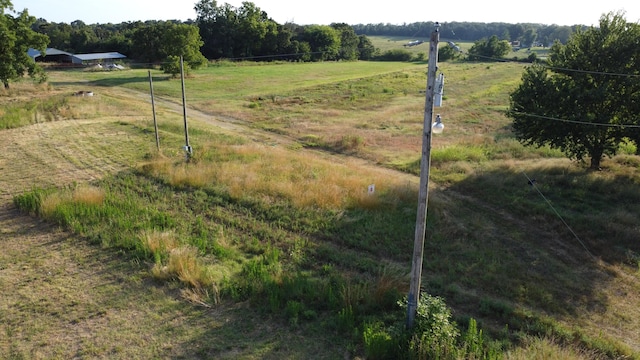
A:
(526, 33)
(247, 32)
(221, 31)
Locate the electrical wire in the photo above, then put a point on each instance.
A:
(593, 72)
(633, 126)
(533, 184)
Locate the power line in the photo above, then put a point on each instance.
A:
(532, 182)
(579, 122)
(632, 126)
(593, 72)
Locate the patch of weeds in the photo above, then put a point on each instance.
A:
(312, 141)
(495, 308)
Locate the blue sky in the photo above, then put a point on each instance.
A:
(351, 12)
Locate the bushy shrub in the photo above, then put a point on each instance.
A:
(434, 334)
(395, 55)
(379, 342)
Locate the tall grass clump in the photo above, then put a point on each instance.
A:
(25, 113)
(182, 264)
(548, 348)
(185, 264)
(58, 205)
(159, 243)
(256, 171)
(458, 153)
(31, 202)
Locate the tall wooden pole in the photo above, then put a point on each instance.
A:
(423, 196)
(187, 146)
(153, 108)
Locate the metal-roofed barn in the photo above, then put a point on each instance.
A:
(51, 55)
(96, 58)
(62, 57)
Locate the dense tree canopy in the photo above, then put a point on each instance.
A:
(581, 101)
(16, 37)
(244, 32)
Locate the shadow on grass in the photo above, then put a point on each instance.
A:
(120, 81)
(112, 81)
(493, 249)
(503, 245)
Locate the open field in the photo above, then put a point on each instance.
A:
(386, 43)
(277, 190)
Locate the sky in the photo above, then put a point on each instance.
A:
(352, 12)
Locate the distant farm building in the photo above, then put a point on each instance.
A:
(97, 58)
(52, 55)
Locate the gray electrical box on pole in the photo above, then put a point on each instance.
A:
(423, 196)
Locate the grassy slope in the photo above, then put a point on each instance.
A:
(489, 224)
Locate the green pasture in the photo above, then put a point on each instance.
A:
(377, 104)
(390, 43)
(292, 235)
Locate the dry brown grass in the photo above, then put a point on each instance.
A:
(82, 194)
(88, 195)
(304, 179)
(50, 203)
(159, 242)
(184, 264)
(547, 349)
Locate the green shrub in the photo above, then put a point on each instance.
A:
(31, 202)
(379, 343)
(434, 334)
(395, 55)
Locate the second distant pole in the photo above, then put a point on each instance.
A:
(187, 146)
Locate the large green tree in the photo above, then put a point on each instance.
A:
(349, 42)
(581, 101)
(366, 49)
(166, 42)
(16, 37)
(323, 40)
(491, 49)
(182, 41)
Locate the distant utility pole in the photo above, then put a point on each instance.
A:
(423, 196)
(153, 108)
(187, 147)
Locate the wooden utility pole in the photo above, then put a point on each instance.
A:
(187, 146)
(153, 108)
(423, 196)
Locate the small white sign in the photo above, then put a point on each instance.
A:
(372, 189)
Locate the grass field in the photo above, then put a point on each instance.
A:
(269, 231)
(389, 43)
